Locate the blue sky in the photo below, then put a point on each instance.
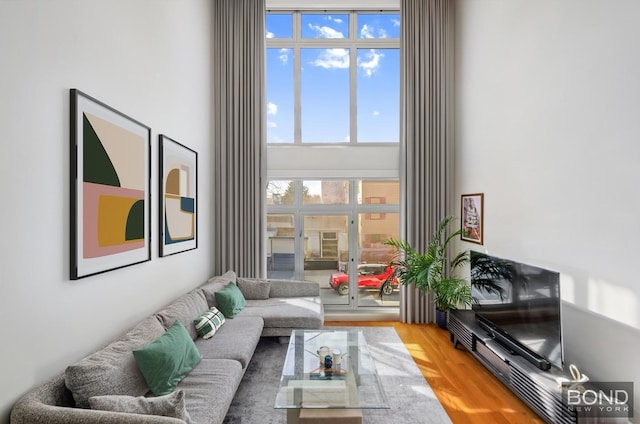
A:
(324, 79)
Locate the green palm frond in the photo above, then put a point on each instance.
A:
(430, 271)
(452, 292)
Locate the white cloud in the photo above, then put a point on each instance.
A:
(376, 113)
(396, 22)
(272, 124)
(333, 59)
(284, 56)
(270, 34)
(370, 32)
(347, 138)
(326, 32)
(371, 62)
(336, 20)
(272, 108)
(366, 31)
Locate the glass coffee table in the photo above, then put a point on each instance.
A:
(315, 387)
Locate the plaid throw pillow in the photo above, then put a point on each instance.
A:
(209, 322)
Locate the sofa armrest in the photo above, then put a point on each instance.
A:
(37, 413)
(291, 288)
(42, 405)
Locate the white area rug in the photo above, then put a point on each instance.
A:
(410, 398)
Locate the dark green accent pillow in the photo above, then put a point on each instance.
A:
(168, 359)
(230, 300)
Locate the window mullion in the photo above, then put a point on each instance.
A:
(353, 77)
(297, 110)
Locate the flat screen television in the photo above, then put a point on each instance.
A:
(519, 306)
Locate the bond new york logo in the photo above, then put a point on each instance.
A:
(600, 399)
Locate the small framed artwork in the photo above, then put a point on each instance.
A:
(110, 188)
(178, 197)
(472, 228)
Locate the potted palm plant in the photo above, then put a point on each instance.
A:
(431, 271)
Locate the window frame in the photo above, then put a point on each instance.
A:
(353, 43)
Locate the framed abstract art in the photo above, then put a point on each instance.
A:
(110, 188)
(472, 217)
(178, 197)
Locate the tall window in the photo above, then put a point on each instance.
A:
(333, 77)
(333, 113)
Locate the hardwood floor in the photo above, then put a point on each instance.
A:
(468, 392)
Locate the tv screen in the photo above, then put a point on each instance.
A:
(520, 301)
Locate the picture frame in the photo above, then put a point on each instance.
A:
(110, 181)
(472, 217)
(178, 194)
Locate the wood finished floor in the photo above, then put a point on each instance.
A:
(468, 392)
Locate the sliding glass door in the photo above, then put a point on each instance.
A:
(333, 232)
(326, 246)
(374, 259)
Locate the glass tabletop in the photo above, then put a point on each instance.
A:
(329, 369)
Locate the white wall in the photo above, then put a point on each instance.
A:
(149, 59)
(547, 126)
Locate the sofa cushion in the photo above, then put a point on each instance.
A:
(229, 276)
(208, 323)
(184, 309)
(254, 289)
(168, 359)
(113, 369)
(293, 288)
(236, 339)
(217, 283)
(210, 388)
(171, 405)
(287, 312)
(230, 300)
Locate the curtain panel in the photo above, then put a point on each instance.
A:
(426, 132)
(238, 136)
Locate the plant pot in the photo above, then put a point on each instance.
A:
(441, 319)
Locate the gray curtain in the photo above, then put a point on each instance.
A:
(426, 131)
(238, 136)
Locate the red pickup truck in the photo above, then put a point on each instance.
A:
(370, 276)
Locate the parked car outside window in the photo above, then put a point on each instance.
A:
(370, 277)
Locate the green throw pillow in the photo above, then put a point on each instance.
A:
(230, 300)
(209, 322)
(168, 359)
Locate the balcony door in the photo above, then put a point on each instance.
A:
(326, 249)
(335, 236)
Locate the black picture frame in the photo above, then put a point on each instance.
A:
(472, 217)
(178, 197)
(110, 188)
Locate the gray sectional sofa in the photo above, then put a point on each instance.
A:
(273, 308)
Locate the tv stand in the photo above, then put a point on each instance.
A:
(531, 383)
